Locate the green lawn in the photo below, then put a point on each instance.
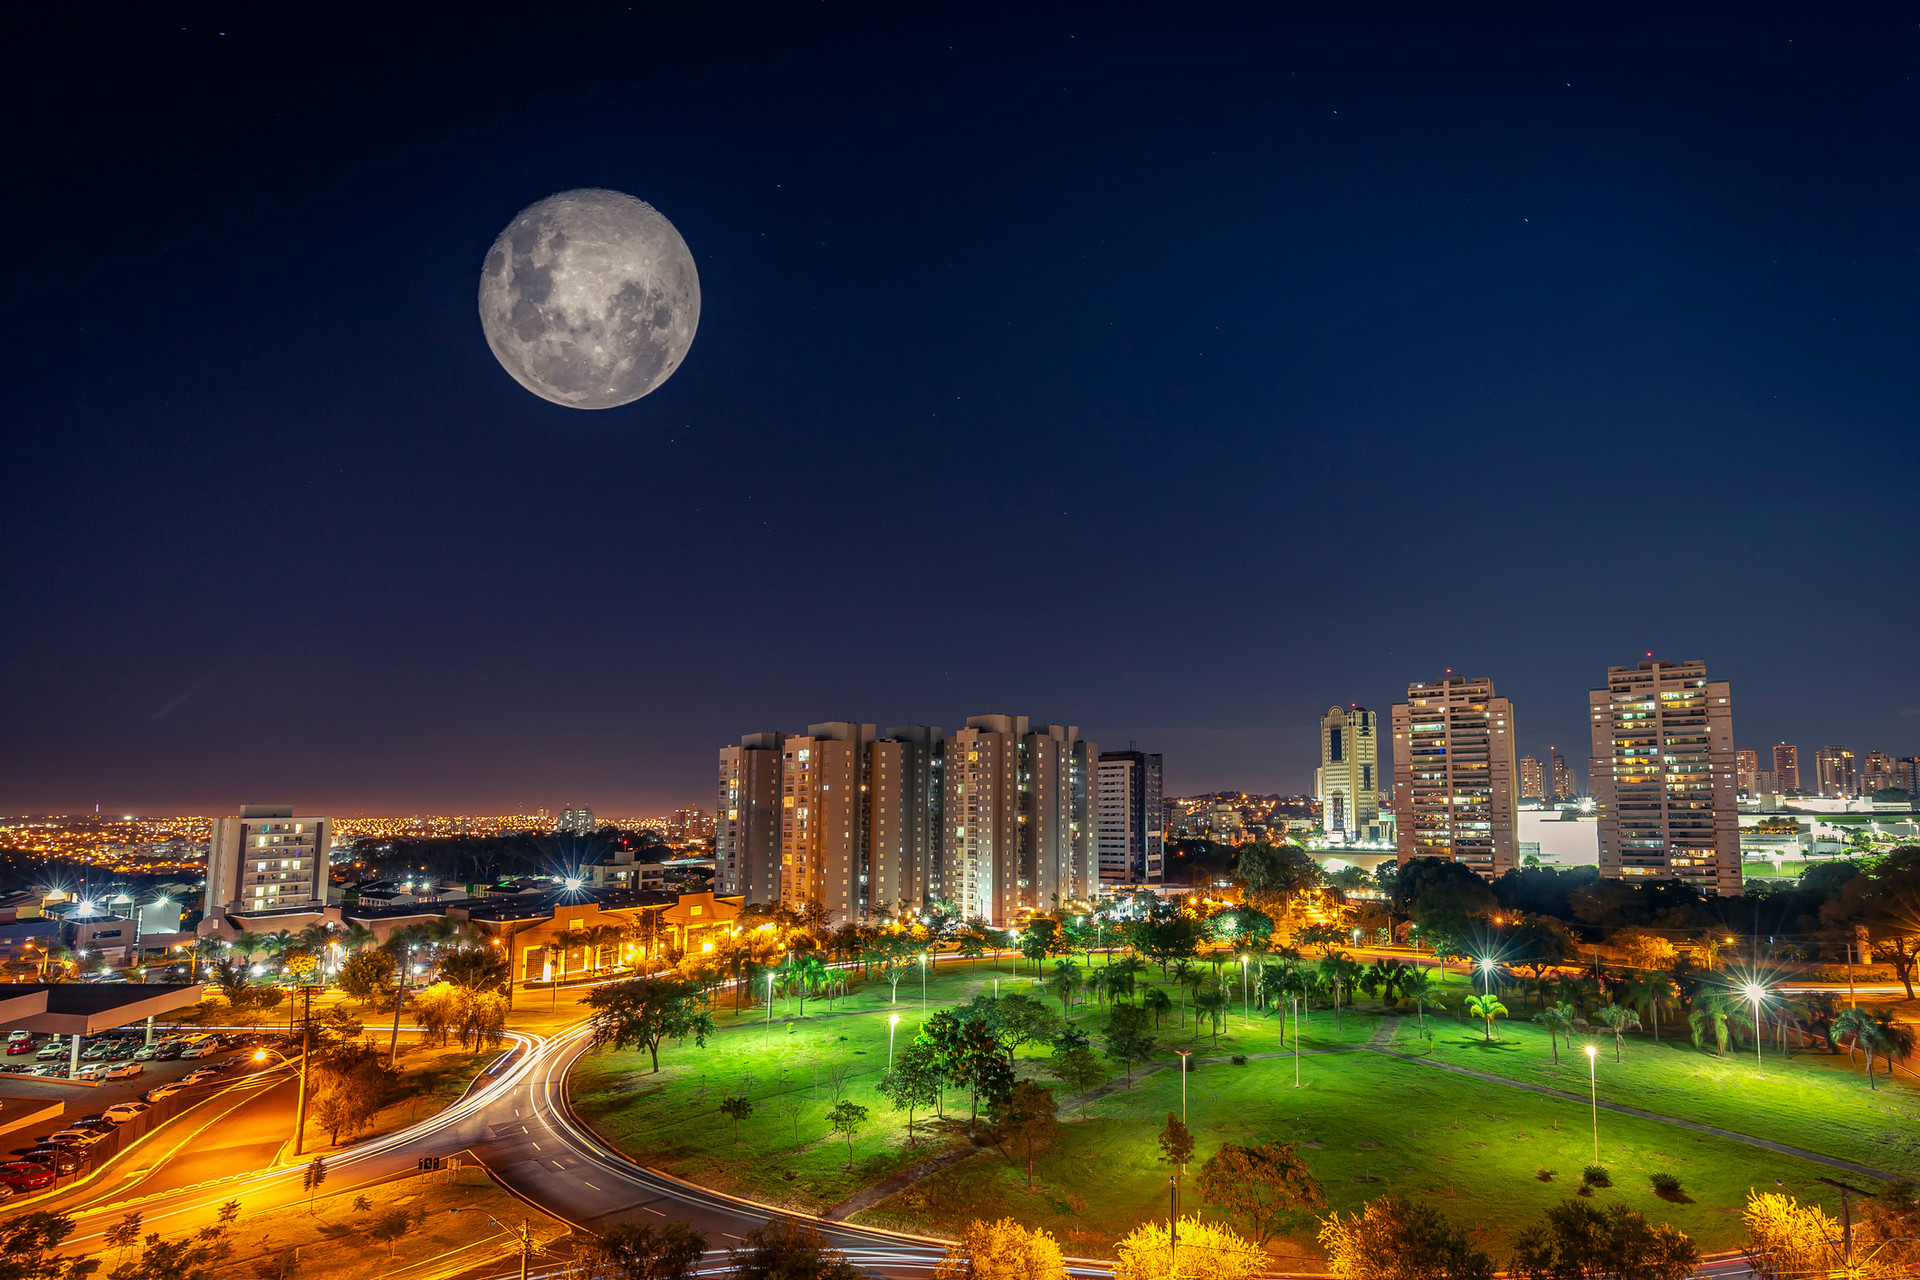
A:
(1370, 1123)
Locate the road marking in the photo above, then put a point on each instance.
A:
(536, 1146)
(655, 1212)
(589, 1184)
(558, 1165)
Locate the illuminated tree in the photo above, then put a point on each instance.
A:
(1266, 1184)
(647, 1011)
(1202, 1251)
(1486, 1008)
(1002, 1250)
(1581, 1242)
(1558, 1021)
(1619, 1020)
(1027, 1117)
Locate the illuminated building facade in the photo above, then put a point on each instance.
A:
(1455, 780)
(1532, 779)
(1129, 818)
(1835, 774)
(1878, 772)
(1786, 768)
(823, 819)
(1664, 776)
(1746, 771)
(1019, 821)
(1347, 783)
(576, 819)
(267, 857)
(1563, 785)
(908, 799)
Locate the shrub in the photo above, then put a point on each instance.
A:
(1667, 1187)
(1543, 1173)
(1239, 1059)
(1595, 1176)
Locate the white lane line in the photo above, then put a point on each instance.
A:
(536, 1146)
(559, 1166)
(656, 1213)
(589, 1184)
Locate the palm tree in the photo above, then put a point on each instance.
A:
(1189, 976)
(353, 938)
(565, 942)
(1709, 1016)
(1418, 986)
(1867, 1034)
(1486, 1008)
(1558, 1021)
(1618, 1019)
(1212, 1002)
(1064, 982)
(1646, 991)
(1894, 1038)
(1157, 1000)
(810, 972)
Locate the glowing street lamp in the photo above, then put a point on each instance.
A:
(1246, 1014)
(893, 1024)
(1486, 969)
(923, 984)
(1756, 993)
(1593, 1096)
(1184, 1055)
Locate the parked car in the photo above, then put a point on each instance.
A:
(93, 1071)
(17, 1047)
(201, 1076)
(163, 1091)
(62, 1160)
(16, 1068)
(52, 1050)
(52, 1071)
(123, 1071)
(126, 1111)
(15, 1037)
(205, 1049)
(169, 1052)
(81, 1136)
(98, 1124)
(19, 1175)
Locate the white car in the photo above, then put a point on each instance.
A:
(16, 1037)
(164, 1091)
(122, 1071)
(205, 1049)
(126, 1111)
(85, 1137)
(199, 1077)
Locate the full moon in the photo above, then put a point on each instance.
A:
(590, 299)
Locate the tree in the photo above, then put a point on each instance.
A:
(847, 1118)
(390, 1227)
(1558, 1021)
(1016, 1019)
(647, 1011)
(1077, 1070)
(1002, 1250)
(968, 1055)
(1709, 1017)
(972, 943)
(786, 1249)
(27, 1245)
(368, 976)
(475, 968)
(1486, 1008)
(350, 1086)
(311, 1177)
(1127, 1036)
(913, 1083)
(1866, 1034)
(1619, 1020)
(1211, 1001)
(1646, 992)
(1063, 982)
(193, 1257)
(1176, 1142)
(1204, 1251)
(124, 1234)
(1581, 1242)
(1268, 1184)
(739, 1107)
(1391, 1238)
(1788, 1240)
(1419, 988)
(1158, 1003)
(648, 1251)
(1028, 1117)
(435, 1009)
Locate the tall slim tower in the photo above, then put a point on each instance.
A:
(1020, 831)
(1564, 788)
(1348, 780)
(746, 821)
(823, 819)
(1746, 771)
(1532, 779)
(906, 797)
(1786, 766)
(1455, 784)
(1129, 826)
(1664, 776)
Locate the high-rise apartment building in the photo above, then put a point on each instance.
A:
(1786, 767)
(747, 819)
(690, 824)
(1347, 783)
(1746, 771)
(907, 801)
(576, 819)
(1019, 821)
(1906, 773)
(1663, 782)
(1877, 773)
(267, 858)
(1564, 787)
(1532, 779)
(1834, 773)
(1455, 784)
(823, 819)
(1129, 818)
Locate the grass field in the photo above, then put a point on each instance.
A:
(1367, 1123)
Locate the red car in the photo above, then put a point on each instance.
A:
(22, 1046)
(22, 1176)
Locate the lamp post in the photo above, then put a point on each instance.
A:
(1755, 993)
(1296, 1042)
(923, 984)
(1593, 1097)
(1486, 970)
(893, 1024)
(1246, 1013)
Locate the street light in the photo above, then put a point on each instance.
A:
(1486, 968)
(923, 984)
(1184, 1055)
(1246, 1014)
(893, 1023)
(1593, 1096)
(1755, 993)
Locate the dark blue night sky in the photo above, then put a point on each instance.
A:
(1174, 375)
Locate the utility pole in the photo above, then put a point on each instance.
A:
(306, 1057)
(399, 998)
(1173, 1227)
